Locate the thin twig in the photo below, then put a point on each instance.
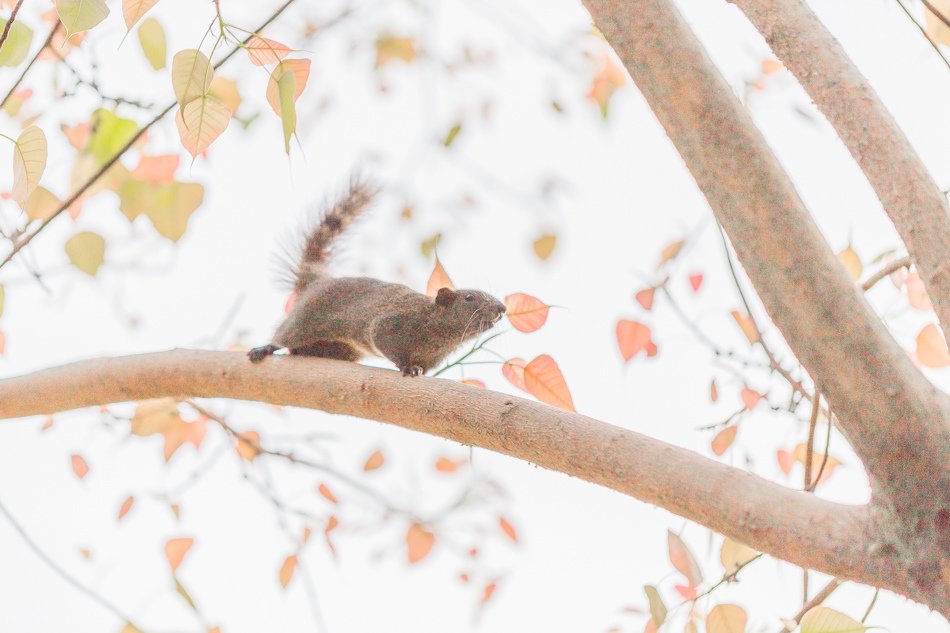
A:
(820, 597)
(923, 31)
(810, 445)
(19, 79)
(877, 590)
(824, 459)
(937, 14)
(894, 266)
(116, 611)
(6, 29)
(27, 238)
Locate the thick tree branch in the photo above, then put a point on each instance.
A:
(895, 419)
(911, 198)
(785, 523)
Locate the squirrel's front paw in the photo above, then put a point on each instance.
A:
(413, 371)
(260, 353)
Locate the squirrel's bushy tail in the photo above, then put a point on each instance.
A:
(333, 223)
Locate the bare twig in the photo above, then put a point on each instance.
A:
(923, 31)
(819, 597)
(9, 24)
(810, 444)
(894, 266)
(877, 591)
(26, 69)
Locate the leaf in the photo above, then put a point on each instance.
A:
(452, 134)
(133, 10)
(801, 454)
(825, 620)
(419, 542)
(168, 206)
(609, 77)
(544, 246)
(748, 326)
(937, 30)
(508, 529)
(286, 86)
(543, 379)
(645, 298)
(917, 294)
(300, 68)
(79, 465)
(713, 391)
(110, 134)
(2, 297)
(264, 51)
(41, 204)
(325, 491)
(157, 169)
(931, 348)
(683, 559)
(851, 261)
(750, 398)
(657, 608)
(695, 281)
(427, 247)
(155, 416)
(374, 461)
(181, 591)
(488, 592)
(438, 279)
(632, 338)
(126, 506)
(726, 618)
(175, 550)
(80, 15)
(248, 445)
(446, 465)
(670, 252)
(287, 570)
(687, 592)
(513, 370)
(390, 47)
(17, 45)
(86, 251)
(526, 313)
(184, 432)
(473, 382)
(152, 40)
(191, 75)
(29, 162)
(201, 121)
(785, 461)
(227, 91)
(734, 555)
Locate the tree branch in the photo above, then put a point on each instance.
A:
(895, 419)
(791, 525)
(911, 198)
(9, 24)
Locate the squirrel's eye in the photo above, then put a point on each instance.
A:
(470, 297)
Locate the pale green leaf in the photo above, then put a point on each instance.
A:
(17, 44)
(81, 15)
(825, 620)
(191, 75)
(86, 251)
(286, 86)
(301, 70)
(726, 618)
(152, 41)
(29, 162)
(227, 91)
(201, 121)
(657, 608)
(110, 133)
(133, 10)
(170, 207)
(453, 133)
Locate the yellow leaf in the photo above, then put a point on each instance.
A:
(133, 10)
(17, 45)
(825, 620)
(81, 15)
(657, 608)
(726, 618)
(748, 326)
(851, 261)
(86, 251)
(452, 134)
(931, 348)
(152, 40)
(175, 551)
(155, 416)
(29, 162)
(390, 47)
(287, 570)
(544, 246)
(191, 75)
(734, 555)
(200, 122)
(41, 204)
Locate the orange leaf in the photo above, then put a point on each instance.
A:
(723, 440)
(374, 461)
(306, 536)
(287, 570)
(332, 524)
(713, 391)
(488, 592)
(248, 445)
(80, 467)
(301, 71)
(801, 455)
(917, 294)
(446, 465)
(670, 252)
(175, 551)
(610, 77)
(645, 298)
(695, 281)
(683, 559)
(47, 424)
(513, 369)
(750, 398)
(322, 489)
(543, 379)
(263, 51)
(419, 542)
(544, 246)
(438, 279)
(474, 383)
(771, 66)
(687, 592)
(157, 169)
(632, 338)
(748, 326)
(85, 553)
(508, 529)
(126, 506)
(526, 313)
(785, 461)
(931, 348)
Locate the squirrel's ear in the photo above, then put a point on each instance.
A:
(445, 297)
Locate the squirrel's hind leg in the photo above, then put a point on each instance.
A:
(339, 350)
(260, 353)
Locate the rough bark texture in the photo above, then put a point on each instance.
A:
(910, 197)
(897, 421)
(784, 523)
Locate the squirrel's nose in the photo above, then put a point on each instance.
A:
(503, 309)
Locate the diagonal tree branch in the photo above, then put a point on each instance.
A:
(894, 418)
(785, 523)
(910, 197)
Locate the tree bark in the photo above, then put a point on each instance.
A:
(785, 523)
(909, 194)
(894, 418)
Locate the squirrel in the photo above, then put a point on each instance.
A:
(350, 318)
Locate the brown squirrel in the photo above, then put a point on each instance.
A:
(349, 318)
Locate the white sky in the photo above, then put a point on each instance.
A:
(621, 195)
